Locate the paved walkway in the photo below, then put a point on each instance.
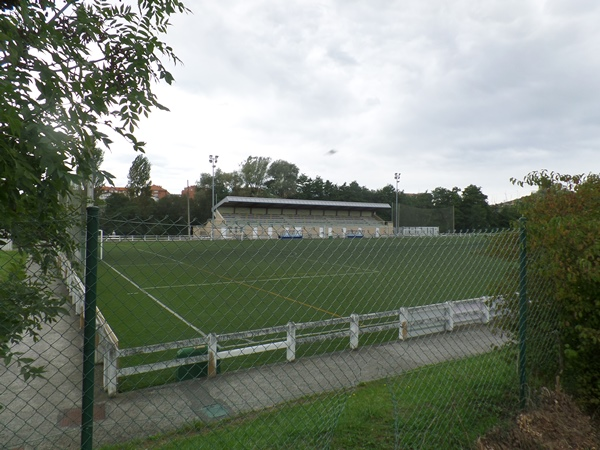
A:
(32, 410)
(44, 413)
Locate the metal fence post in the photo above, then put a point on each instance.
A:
(291, 342)
(485, 310)
(354, 331)
(403, 324)
(110, 370)
(523, 315)
(212, 355)
(449, 313)
(89, 330)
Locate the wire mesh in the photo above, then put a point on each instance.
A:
(258, 339)
(40, 340)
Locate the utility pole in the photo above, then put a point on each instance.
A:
(188, 209)
(397, 178)
(213, 161)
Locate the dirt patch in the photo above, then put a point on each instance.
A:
(556, 423)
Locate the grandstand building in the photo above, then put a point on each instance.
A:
(276, 218)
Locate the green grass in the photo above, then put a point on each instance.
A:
(228, 286)
(6, 259)
(447, 405)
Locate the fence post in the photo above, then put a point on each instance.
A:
(291, 341)
(110, 370)
(212, 355)
(89, 330)
(485, 309)
(100, 347)
(354, 331)
(403, 324)
(449, 316)
(523, 315)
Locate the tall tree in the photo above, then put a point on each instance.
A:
(254, 173)
(231, 183)
(309, 189)
(70, 72)
(331, 191)
(387, 194)
(420, 200)
(139, 182)
(118, 205)
(442, 197)
(446, 198)
(353, 192)
(474, 210)
(226, 183)
(504, 215)
(98, 181)
(283, 177)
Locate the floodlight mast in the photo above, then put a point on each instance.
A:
(213, 161)
(397, 178)
(188, 209)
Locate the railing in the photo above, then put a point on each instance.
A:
(107, 343)
(410, 322)
(75, 287)
(7, 246)
(107, 348)
(148, 238)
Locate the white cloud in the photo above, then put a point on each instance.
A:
(449, 94)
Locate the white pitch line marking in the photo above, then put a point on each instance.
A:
(259, 280)
(158, 302)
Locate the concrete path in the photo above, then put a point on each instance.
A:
(44, 413)
(32, 411)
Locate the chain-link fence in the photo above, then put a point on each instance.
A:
(257, 340)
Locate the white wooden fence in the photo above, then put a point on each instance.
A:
(106, 340)
(410, 323)
(7, 246)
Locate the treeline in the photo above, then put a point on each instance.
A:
(262, 177)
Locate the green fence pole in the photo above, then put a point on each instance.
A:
(89, 330)
(523, 315)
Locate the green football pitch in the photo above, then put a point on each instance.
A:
(155, 292)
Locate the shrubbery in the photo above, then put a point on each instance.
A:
(563, 224)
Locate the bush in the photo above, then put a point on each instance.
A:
(563, 220)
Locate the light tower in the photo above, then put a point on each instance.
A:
(397, 178)
(188, 210)
(213, 161)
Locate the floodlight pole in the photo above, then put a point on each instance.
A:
(397, 178)
(213, 160)
(188, 209)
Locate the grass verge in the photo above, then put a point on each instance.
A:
(447, 405)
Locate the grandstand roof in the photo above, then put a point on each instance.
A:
(261, 201)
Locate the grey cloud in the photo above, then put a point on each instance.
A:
(444, 91)
(341, 57)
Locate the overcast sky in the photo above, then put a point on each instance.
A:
(449, 93)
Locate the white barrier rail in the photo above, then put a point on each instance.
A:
(75, 287)
(7, 246)
(149, 238)
(107, 343)
(410, 322)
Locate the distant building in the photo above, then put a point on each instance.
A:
(106, 191)
(189, 191)
(156, 192)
